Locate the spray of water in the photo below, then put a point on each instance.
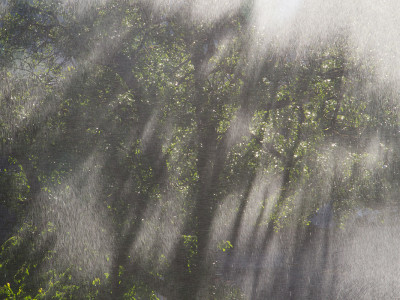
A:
(266, 237)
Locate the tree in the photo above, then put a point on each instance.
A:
(146, 153)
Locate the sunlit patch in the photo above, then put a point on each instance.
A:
(77, 225)
(273, 16)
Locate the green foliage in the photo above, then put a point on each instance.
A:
(140, 126)
(225, 245)
(15, 185)
(190, 243)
